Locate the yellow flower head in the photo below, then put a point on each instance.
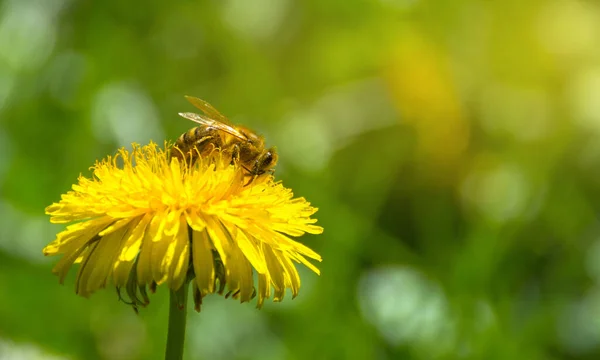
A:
(146, 218)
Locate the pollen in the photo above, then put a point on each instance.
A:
(146, 219)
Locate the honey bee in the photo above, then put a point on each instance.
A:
(215, 131)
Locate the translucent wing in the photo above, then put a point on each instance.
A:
(208, 109)
(203, 120)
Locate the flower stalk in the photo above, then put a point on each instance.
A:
(177, 320)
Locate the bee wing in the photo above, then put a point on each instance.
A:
(208, 109)
(203, 120)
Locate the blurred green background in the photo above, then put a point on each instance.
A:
(451, 146)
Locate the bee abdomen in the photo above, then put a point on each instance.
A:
(202, 138)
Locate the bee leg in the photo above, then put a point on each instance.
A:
(252, 174)
(208, 138)
(235, 154)
(206, 145)
(252, 178)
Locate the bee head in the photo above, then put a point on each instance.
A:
(266, 161)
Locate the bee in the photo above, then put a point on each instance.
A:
(215, 131)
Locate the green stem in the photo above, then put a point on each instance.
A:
(177, 317)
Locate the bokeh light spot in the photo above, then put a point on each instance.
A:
(406, 308)
(579, 324)
(257, 19)
(243, 334)
(568, 28)
(522, 113)
(7, 84)
(23, 235)
(305, 140)
(583, 95)
(123, 113)
(501, 193)
(27, 33)
(10, 350)
(310, 135)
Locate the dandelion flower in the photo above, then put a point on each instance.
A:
(146, 219)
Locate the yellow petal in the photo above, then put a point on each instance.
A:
(239, 276)
(251, 250)
(220, 240)
(177, 257)
(264, 289)
(275, 272)
(144, 263)
(195, 221)
(292, 276)
(203, 262)
(128, 252)
(79, 233)
(99, 263)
